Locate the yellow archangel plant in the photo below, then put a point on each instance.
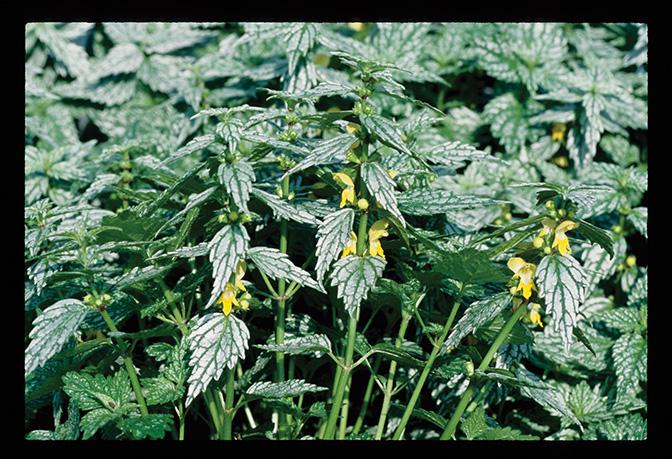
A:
(348, 194)
(377, 231)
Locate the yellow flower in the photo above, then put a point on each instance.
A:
(535, 317)
(377, 231)
(348, 194)
(558, 132)
(525, 272)
(561, 241)
(240, 272)
(228, 298)
(351, 246)
(392, 173)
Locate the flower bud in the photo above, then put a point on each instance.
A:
(631, 261)
(562, 212)
(363, 204)
(223, 218)
(550, 205)
(617, 229)
(498, 222)
(512, 290)
(233, 216)
(244, 305)
(508, 216)
(538, 242)
(246, 218)
(547, 250)
(469, 367)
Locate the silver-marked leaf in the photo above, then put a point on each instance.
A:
(289, 388)
(197, 143)
(124, 58)
(437, 201)
(355, 276)
(387, 132)
(455, 153)
(332, 235)
(237, 178)
(598, 264)
(277, 265)
(325, 152)
(300, 345)
(227, 248)
(381, 186)
(51, 330)
(300, 39)
(216, 342)
(153, 425)
(230, 132)
(639, 217)
(477, 314)
(630, 355)
(561, 282)
(284, 209)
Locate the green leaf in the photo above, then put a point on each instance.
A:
(470, 266)
(277, 265)
(124, 58)
(598, 265)
(398, 355)
(630, 355)
(597, 235)
(300, 39)
(237, 178)
(332, 235)
(630, 427)
(153, 426)
(159, 390)
(51, 330)
(455, 153)
(625, 320)
(436, 201)
(289, 388)
(300, 345)
(326, 152)
(227, 248)
(381, 187)
(508, 122)
(216, 342)
(355, 276)
(284, 210)
(477, 314)
(95, 420)
(93, 392)
(561, 283)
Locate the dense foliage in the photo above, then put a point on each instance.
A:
(335, 231)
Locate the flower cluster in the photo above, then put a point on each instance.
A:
(525, 272)
(228, 297)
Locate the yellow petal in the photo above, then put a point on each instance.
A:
(376, 249)
(527, 289)
(344, 179)
(347, 195)
(565, 226)
(561, 241)
(378, 230)
(351, 246)
(515, 264)
(535, 317)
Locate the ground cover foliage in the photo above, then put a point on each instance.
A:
(336, 231)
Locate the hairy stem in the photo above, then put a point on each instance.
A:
(228, 408)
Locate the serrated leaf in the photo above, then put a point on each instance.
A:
(197, 143)
(470, 266)
(277, 265)
(237, 178)
(216, 342)
(355, 276)
(630, 355)
(284, 209)
(95, 420)
(300, 345)
(326, 152)
(639, 217)
(477, 314)
(561, 283)
(381, 187)
(51, 330)
(124, 58)
(289, 388)
(387, 132)
(597, 235)
(94, 392)
(227, 248)
(332, 235)
(436, 201)
(153, 426)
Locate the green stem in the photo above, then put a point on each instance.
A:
(466, 396)
(389, 386)
(367, 398)
(228, 409)
(342, 381)
(181, 412)
(210, 401)
(280, 312)
(426, 370)
(344, 412)
(128, 362)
